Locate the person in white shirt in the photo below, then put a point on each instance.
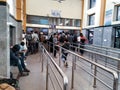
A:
(23, 49)
(35, 41)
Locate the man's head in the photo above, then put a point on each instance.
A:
(16, 48)
(22, 43)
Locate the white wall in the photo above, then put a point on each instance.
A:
(110, 5)
(93, 10)
(67, 9)
(12, 7)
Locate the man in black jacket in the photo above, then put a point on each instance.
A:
(65, 45)
(17, 60)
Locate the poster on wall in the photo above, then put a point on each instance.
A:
(108, 17)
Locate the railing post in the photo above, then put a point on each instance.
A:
(72, 79)
(115, 84)
(53, 49)
(95, 73)
(42, 60)
(47, 73)
(60, 55)
(106, 58)
(65, 87)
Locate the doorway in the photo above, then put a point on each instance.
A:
(12, 35)
(117, 37)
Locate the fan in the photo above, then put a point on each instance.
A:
(60, 1)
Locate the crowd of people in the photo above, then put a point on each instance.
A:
(30, 42)
(65, 40)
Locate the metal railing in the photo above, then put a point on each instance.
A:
(76, 58)
(106, 50)
(93, 68)
(103, 59)
(59, 80)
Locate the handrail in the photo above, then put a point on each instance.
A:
(114, 73)
(65, 79)
(99, 47)
(104, 49)
(117, 59)
(97, 53)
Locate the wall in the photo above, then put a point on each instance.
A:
(110, 12)
(12, 7)
(4, 41)
(93, 10)
(67, 9)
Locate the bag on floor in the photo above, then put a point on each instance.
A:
(12, 82)
(5, 86)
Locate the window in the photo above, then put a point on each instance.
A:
(91, 19)
(92, 3)
(118, 14)
(37, 20)
(77, 22)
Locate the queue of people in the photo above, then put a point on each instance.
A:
(29, 45)
(65, 39)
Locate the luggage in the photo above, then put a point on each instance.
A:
(12, 82)
(5, 86)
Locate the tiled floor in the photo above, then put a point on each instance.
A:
(35, 80)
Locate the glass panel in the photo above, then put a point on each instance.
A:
(77, 23)
(117, 38)
(44, 21)
(118, 13)
(92, 19)
(90, 35)
(92, 3)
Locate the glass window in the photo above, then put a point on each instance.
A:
(92, 3)
(44, 21)
(37, 20)
(118, 13)
(92, 19)
(77, 23)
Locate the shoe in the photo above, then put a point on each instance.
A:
(22, 74)
(26, 70)
(66, 64)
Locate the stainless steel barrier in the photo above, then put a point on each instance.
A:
(105, 60)
(59, 80)
(106, 50)
(93, 69)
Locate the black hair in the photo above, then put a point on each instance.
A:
(22, 43)
(16, 48)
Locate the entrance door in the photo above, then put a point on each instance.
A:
(90, 35)
(117, 38)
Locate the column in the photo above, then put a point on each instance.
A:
(4, 40)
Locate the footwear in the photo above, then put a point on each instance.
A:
(22, 74)
(66, 64)
(26, 70)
